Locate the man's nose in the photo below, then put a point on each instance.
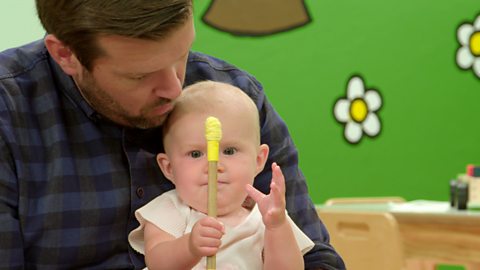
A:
(167, 84)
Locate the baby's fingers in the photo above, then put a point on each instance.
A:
(205, 238)
(211, 226)
(256, 195)
(278, 181)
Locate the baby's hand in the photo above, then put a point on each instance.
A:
(205, 237)
(271, 206)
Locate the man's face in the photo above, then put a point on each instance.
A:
(136, 80)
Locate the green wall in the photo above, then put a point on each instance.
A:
(406, 51)
(19, 21)
(403, 50)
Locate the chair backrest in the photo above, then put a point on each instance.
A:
(352, 200)
(365, 240)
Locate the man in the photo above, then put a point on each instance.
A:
(80, 115)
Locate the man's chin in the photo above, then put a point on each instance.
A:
(147, 123)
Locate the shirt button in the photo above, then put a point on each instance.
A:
(140, 192)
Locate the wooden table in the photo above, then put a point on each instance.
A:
(431, 232)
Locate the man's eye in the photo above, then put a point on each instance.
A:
(138, 78)
(196, 154)
(229, 151)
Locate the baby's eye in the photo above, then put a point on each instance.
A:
(195, 154)
(230, 151)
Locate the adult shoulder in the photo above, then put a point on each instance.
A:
(16, 61)
(201, 67)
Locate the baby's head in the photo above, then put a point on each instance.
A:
(221, 100)
(241, 157)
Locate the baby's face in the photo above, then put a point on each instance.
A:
(239, 160)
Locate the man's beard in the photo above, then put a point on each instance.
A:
(105, 104)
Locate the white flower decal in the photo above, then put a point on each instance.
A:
(468, 56)
(358, 111)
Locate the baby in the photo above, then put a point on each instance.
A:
(176, 233)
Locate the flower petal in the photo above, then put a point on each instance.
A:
(464, 32)
(476, 67)
(464, 58)
(353, 132)
(342, 110)
(355, 88)
(373, 99)
(371, 125)
(476, 24)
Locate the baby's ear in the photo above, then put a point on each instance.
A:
(262, 156)
(164, 163)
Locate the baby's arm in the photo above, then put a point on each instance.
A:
(164, 251)
(280, 248)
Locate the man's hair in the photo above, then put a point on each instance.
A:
(78, 23)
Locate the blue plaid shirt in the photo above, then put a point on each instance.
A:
(70, 180)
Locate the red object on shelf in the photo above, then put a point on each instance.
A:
(470, 169)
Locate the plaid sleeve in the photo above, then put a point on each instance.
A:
(11, 247)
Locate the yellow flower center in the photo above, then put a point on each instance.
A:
(475, 44)
(358, 110)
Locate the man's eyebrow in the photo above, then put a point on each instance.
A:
(131, 74)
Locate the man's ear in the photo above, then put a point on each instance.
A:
(262, 156)
(164, 163)
(62, 55)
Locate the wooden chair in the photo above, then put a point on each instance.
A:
(433, 265)
(354, 200)
(371, 240)
(365, 240)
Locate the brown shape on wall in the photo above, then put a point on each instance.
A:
(256, 17)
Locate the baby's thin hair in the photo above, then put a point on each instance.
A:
(207, 97)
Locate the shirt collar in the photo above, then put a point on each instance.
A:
(67, 85)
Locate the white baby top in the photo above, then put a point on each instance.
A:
(241, 247)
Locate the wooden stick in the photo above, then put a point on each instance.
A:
(212, 203)
(213, 134)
